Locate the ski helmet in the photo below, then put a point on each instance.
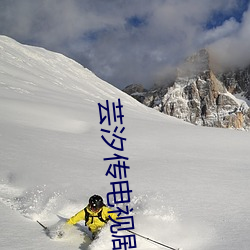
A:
(95, 202)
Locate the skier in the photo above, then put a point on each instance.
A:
(96, 215)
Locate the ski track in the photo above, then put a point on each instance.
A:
(41, 204)
(34, 203)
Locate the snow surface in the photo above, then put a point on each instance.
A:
(191, 185)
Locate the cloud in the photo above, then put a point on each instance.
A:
(233, 49)
(228, 28)
(124, 42)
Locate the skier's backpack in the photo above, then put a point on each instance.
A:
(99, 216)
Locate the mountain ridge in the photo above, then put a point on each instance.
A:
(201, 95)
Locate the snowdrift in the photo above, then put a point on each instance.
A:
(190, 184)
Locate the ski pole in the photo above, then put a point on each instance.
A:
(159, 243)
(45, 228)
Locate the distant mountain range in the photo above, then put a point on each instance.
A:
(201, 94)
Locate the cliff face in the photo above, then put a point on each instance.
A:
(201, 97)
(237, 81)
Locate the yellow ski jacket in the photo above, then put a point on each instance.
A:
(93, 222)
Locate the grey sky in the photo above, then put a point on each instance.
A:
(131, 41)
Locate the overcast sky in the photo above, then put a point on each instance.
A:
(131, 41)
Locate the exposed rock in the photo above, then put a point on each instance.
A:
(133, 88)
(237, 81)
(137, 91)
(201, 97)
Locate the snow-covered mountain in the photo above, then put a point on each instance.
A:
(201, 95)
(190, 184)
(237, 81)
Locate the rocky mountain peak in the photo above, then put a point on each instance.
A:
(200, 96)
(196, 64)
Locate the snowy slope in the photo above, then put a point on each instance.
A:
(191, 185)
